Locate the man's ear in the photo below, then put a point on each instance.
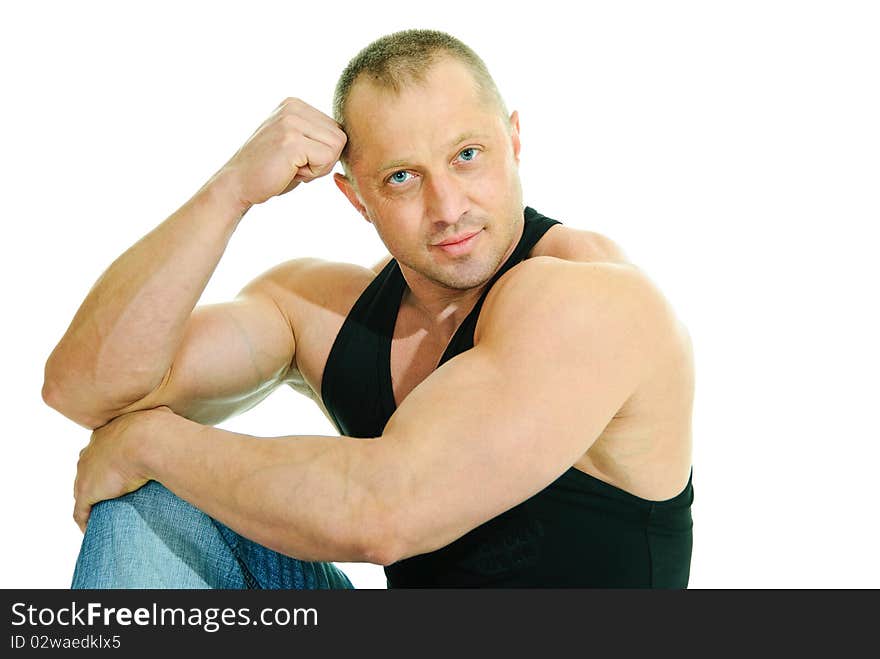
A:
(514, 134)
(350, 193)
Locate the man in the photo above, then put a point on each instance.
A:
(514, 398)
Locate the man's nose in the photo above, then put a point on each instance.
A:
(447, 199)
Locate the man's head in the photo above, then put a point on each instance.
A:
(431, 155)
(401, 59)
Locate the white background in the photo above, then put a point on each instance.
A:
(731, 148)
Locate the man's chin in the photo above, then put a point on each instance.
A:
(464, 276)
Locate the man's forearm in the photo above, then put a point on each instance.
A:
(305, 496)
(125, 334)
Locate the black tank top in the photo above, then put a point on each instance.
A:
(577, 532)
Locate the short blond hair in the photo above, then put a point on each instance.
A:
(402, 58)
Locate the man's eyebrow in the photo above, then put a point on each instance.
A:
(392, 164)
(402, 162)
(467, 135)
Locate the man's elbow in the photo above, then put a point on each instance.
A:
(382, 549)
(380, 541)
(53, 397)
(364, 541)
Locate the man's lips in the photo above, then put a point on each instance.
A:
(460, 238)
(459, 245)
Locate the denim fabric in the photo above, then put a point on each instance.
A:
(151, 538)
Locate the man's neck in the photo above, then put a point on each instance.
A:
(445, 309)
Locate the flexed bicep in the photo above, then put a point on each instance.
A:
(232, 356)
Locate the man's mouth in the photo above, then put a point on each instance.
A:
(458, 244)
(458, 239)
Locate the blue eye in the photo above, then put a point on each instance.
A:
(468, 154)
(399, 177)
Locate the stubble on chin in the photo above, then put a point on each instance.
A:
(469, 274)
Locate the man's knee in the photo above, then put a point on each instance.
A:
(150, 501)
(149, 538)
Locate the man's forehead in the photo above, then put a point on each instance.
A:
(444, 108)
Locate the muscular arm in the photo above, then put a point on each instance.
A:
(137, 342)
(560, 347)
(122, 340)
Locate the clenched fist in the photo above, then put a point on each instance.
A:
(297, 143)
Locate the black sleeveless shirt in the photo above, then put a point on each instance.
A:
(577, 532)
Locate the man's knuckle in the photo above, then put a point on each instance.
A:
(290, 124)
(325, 167)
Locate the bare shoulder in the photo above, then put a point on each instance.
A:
(549, 281)
(304, 282)
(597, 300)
(570, 244)
(315, 296)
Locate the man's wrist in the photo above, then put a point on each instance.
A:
(156, 427)
(223, 191)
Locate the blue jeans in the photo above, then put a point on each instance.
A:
(150, 538)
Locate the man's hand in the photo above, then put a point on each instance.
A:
(297, 143)
(107, 467)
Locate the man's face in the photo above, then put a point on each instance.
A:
(436, 163)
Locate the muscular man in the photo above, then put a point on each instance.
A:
(513, 398)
